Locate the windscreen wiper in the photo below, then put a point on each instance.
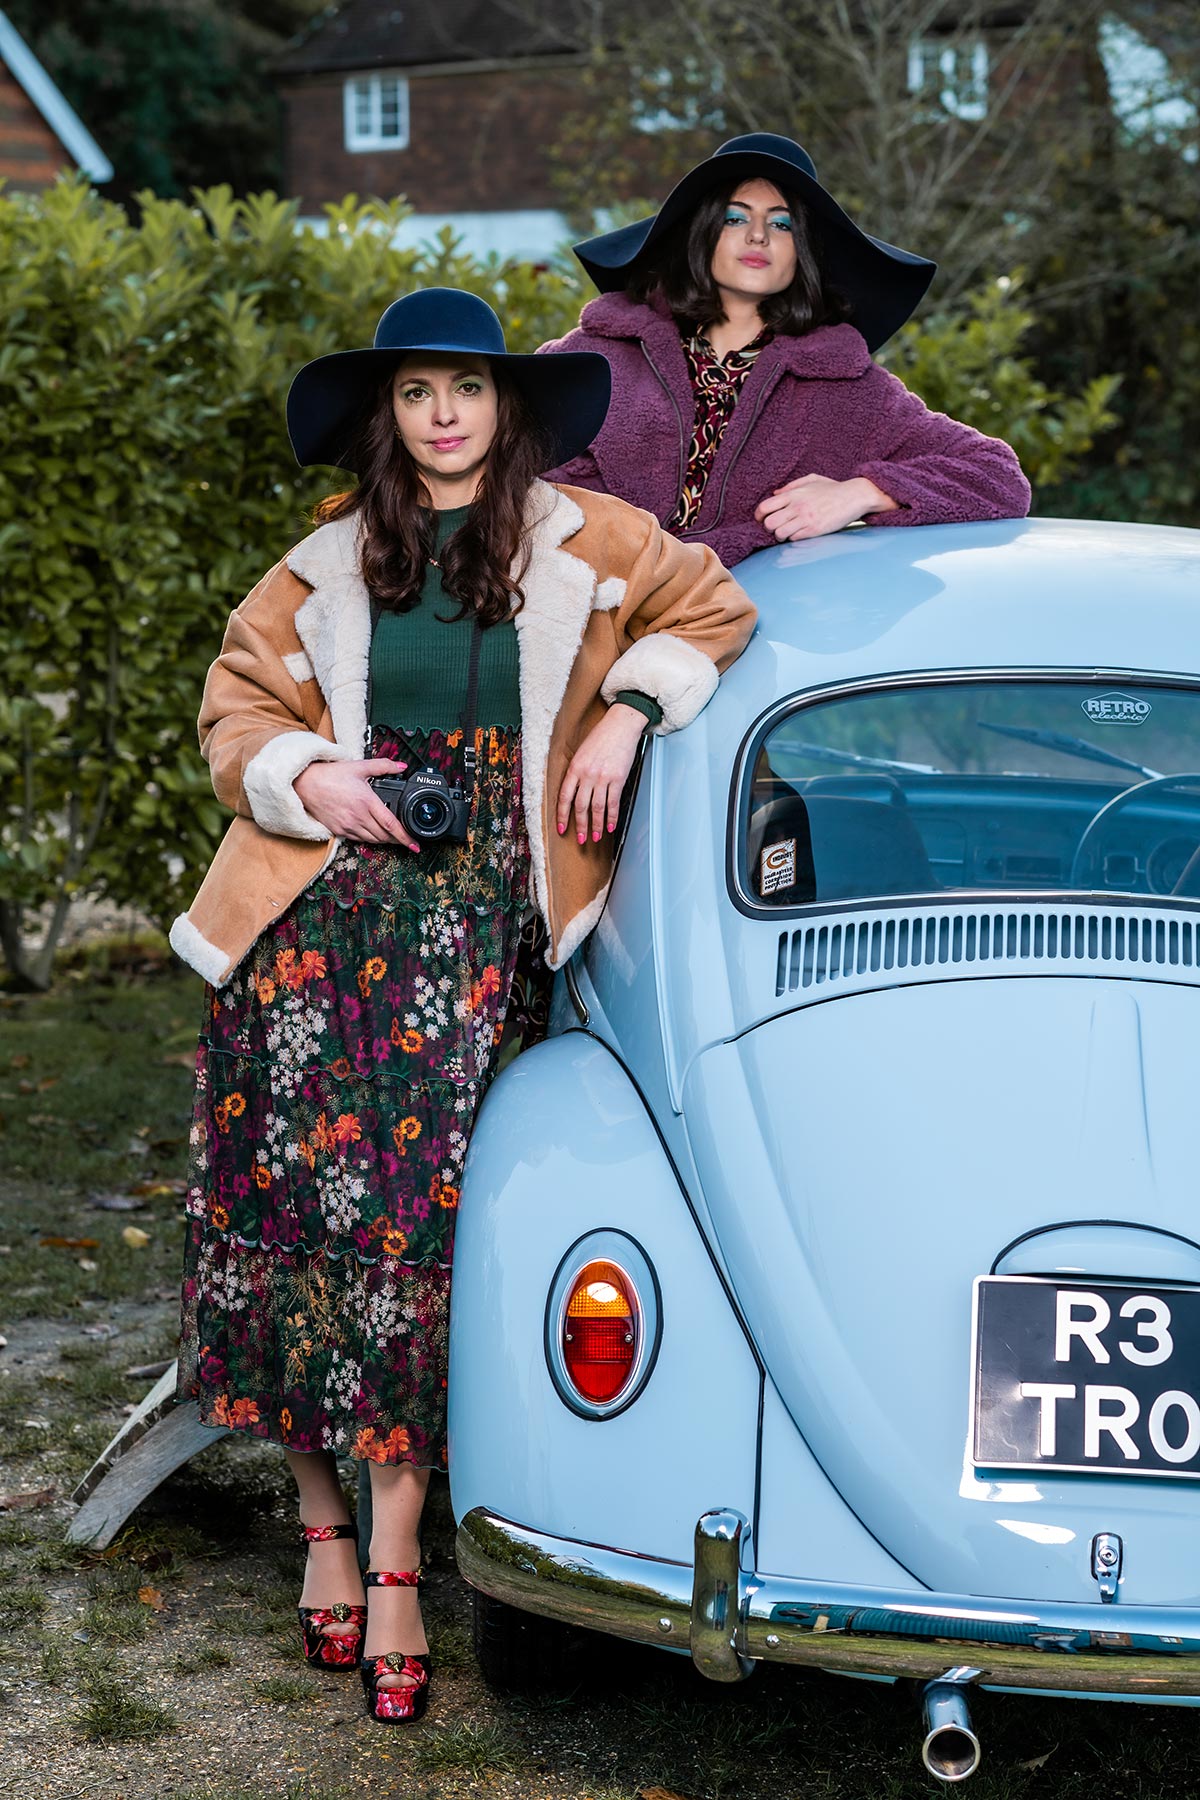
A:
(827, 753)
(1070, 746)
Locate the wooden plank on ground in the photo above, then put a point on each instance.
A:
(174, 1439)
(158, 1437)
(158, 1402)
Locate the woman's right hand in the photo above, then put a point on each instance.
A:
(340, 796)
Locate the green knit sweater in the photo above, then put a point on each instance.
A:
(419, 660)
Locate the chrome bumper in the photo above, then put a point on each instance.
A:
(729, 1619)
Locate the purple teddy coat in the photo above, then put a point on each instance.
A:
(812, 405)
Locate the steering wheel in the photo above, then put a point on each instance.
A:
(1111, 808)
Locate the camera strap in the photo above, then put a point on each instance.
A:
(470, 709)
(472, 706)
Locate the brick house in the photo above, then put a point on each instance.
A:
(40, 135)
(452, 103)
(458, 105)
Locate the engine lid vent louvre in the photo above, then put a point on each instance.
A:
(883, 949)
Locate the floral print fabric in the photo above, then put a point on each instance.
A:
(337, 1082)
(716, 385)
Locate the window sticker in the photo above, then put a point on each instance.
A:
(777, 867)
(1116, 709)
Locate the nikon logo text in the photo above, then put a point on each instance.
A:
(1117, 709)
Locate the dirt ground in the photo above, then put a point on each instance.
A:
(168, 1668)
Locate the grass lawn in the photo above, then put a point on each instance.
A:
(167, 1668)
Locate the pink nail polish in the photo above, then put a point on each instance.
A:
(583, 837)
(595, 837)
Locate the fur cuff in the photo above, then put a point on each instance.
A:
(196, 951)
(681, 678)
(576, 930)
(268, 777)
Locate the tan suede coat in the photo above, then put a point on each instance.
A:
(625, 607)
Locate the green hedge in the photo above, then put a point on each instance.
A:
(146, 482)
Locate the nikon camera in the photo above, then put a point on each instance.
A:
(426, 805)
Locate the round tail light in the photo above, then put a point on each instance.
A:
(600, 1331)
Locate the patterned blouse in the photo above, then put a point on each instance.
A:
(716, 385)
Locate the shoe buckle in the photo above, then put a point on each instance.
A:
(395, 1661)
(341, 1612)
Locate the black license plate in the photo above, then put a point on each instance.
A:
(1086, 1375)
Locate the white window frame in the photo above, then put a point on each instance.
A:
(953, 72)
(370, 87)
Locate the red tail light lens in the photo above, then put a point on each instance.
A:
(600, 1331)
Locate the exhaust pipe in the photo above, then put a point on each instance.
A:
(951, 1750)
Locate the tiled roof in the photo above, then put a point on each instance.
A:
(366, 34)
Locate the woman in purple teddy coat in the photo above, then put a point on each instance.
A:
(739, 324)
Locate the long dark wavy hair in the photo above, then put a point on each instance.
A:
(681, 273)
(398, 527)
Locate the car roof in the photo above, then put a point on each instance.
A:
(1018, 593)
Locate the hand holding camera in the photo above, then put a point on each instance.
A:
(340, 796)
(426, 804)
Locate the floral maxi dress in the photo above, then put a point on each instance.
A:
(338, 1077)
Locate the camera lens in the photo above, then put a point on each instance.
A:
(430, 815)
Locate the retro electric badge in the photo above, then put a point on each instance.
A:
(1117, 709)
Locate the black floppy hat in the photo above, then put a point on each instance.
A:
(882, 285)
(568, 394)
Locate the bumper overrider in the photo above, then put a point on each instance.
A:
(730, 1619)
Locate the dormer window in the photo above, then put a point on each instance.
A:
(376, 112)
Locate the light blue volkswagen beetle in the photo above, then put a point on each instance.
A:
(827, 1289)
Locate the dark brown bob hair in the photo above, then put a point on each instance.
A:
(398, 525)
(681, 273)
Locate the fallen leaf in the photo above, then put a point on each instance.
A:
(135, 1237)
(148, 1371)
(657, 1793)
(87, 1265)
(150, 1596)
(21, 1061)
(115, 1203)
(66, 1243)
(136, 1147)
(100, 1331)
(25, 1502)
(47, 1081)
(3, 1341)
(151, 1190)
(37, 1424)
(1039, 1762)
(142, 1131)
(26, 1087)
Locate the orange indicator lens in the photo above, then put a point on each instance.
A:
(600, 1331)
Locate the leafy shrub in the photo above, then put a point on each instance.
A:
(969, 363)
(146, 482)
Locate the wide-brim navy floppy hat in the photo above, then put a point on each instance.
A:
(882, 285)
(329, 398)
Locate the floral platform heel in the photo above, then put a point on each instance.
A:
(337, 1650)
(395, 1705)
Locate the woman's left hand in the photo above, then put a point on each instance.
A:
(595, 780)
(815, 505)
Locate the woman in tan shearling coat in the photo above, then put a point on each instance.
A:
(512, 640)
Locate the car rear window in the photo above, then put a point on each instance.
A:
(1000, 785)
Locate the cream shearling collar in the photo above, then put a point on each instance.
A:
(334, 626)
